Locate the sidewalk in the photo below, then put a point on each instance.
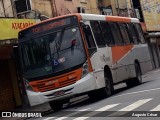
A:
(152, 74)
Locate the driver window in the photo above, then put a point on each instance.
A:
(89, 39)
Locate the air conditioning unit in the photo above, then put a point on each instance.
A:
(22, 6)
(80, 10)
(137, 13)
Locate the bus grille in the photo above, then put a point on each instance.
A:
(45, 88)
(56, 82)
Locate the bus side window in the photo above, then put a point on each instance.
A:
(124, 33)
(132, 33)
(116, 33)
(106, 31)
(140, 32)
(97, 33)
(89, 39)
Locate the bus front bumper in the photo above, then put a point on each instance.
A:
(86, 84)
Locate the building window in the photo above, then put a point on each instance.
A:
(89, 37)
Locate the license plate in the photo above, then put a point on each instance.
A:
(59, 93)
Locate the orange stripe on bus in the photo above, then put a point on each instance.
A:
(118, 19)
(120, 51)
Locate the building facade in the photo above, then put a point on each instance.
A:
(151, 15)
(62, 7)
(6, 8)
(11, 86)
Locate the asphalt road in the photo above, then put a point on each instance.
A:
(125, 104)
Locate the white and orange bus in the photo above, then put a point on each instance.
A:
(81, 54)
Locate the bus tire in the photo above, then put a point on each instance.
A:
(108, 89)
(138, 79)
(56, 105)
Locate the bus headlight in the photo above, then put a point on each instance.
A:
(27, 85)
(85, 69)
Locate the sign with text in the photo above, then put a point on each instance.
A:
(49, 25)
(11, 27)
(151, 13)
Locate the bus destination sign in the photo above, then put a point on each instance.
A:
(48, 26)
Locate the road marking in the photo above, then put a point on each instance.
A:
(135, 105)
(72, 114)
(49, 118)
(136, 92)
(97, 111)
(156, 108)
(107, 107)
(131, 107)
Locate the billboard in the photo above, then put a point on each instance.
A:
(151, 13)
(11, 27)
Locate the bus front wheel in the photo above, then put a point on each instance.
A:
(107, 91)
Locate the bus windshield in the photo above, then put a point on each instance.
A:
(52, 53)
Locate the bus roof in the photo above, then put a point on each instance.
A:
(108, 18)
(83, 16)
